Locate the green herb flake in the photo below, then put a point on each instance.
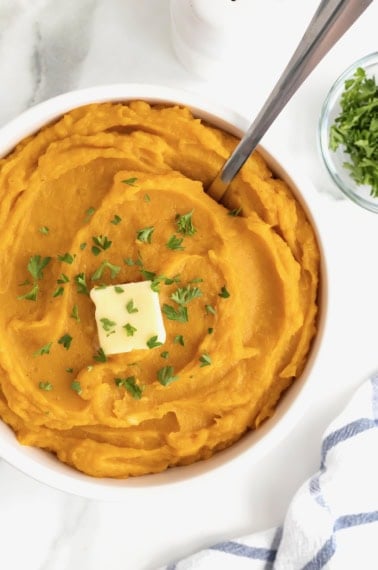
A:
(101, 243)
(130, 330)
(355, 129)
(69, 370)
(63, 278)
(66, 258)
(89, 213)
(107, 324)
(76, 387)
(153, 342)
(100, 356)
(130, 307)
(58, 291)
(83, 245)
(116, 220)
(196, 280)
(36, 266)
(75, 313)
(210, 330)
(145, 234)
(130, 181)
(130, 385)
(148, 275)
(205, 360)
(81, 284)
(129, 261)
(65, 341)
(183, 295)
(44, 230)
(118, 289)
(32, 294)
(114, 270)
(185, 224)
(179, 339)
(174, 243)
(210, 310)
(180, 314)
(45, 349)
(224, 293)
(46, 386)
(235, 212)
(165, 354)
(147, 198)
(166, 375)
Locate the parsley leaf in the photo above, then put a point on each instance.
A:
(107, 324)
(83, 245)
(66, 258)
(205, 360)
(180, 314)
(81, 283)
(147, 198)
(36, 266)
(100, 356)
(116, 220)
(101, 243)
(32, 294)
(44, 230)
(175, 243)
(166, 375)
(65, 340)
(46, 386)
(130, 330)
(185, 224)
(145, 234)
(58, 291)
(183, 295)
(210, 310)
(179, 339)
(75, 313)
(224, 293)
(131, 386)
(165, 354)
(153, 342)
(235, 212)
(114, 270)
(63, 278)
(89, 213)
(45, 349)
(130, 181)
(76, 387)
(118, 289)
(130, 308)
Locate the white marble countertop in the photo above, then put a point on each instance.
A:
(47, 47)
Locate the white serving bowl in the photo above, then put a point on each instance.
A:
(44, 466)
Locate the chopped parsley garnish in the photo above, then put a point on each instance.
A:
(148, 275)
(65, 341)
(83, 245)
(76, 387)
(36, 266)
(118, 289)
(145, 234)
(44, 230)
(116, 220)
(166, 375)
(75, 313)
(114, 270)
(129, 261)
(63, 278)
(196, 280)
(46, 386)
(210, 310)
(183, 295)
(210, 330)
(89, 213)
(180, 314)
(153, 342)
(356, 129)
(101, 243)
(32, 294)
(130, 330)
(66, 258)
(174, 243)
(45, 349)
(100, 356)
(224, 293)
(205, 360)
(179, 339)
(235, 212)
(147, 198)
(107, 324)
(69, 370)
(165, 354)
(130, 181)
(185, 224)
(81, 283)
(130, 307)
(58, 291)
(131, 386)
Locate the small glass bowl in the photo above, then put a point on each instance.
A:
(360, 194)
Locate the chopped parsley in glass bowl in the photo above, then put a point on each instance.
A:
(348, 132)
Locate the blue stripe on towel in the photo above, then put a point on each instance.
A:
(322, 556)
(374, 383)
(347, 521)
(238, 549)
(343, 433)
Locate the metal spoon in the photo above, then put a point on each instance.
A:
(331, 20)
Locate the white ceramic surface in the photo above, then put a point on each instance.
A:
(47, 468)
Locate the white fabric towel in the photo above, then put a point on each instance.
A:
(332, 521)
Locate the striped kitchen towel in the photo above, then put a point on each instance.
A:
(332, 521)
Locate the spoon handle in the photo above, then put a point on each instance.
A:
(331, 20)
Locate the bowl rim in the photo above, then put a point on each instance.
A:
(333, 94)
(37, 463)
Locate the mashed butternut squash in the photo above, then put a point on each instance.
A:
(114, 193)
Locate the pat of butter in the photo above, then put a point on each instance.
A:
(127, 316)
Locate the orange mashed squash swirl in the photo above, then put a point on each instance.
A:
(112, 170)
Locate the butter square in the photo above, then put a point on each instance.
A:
(127, 316)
